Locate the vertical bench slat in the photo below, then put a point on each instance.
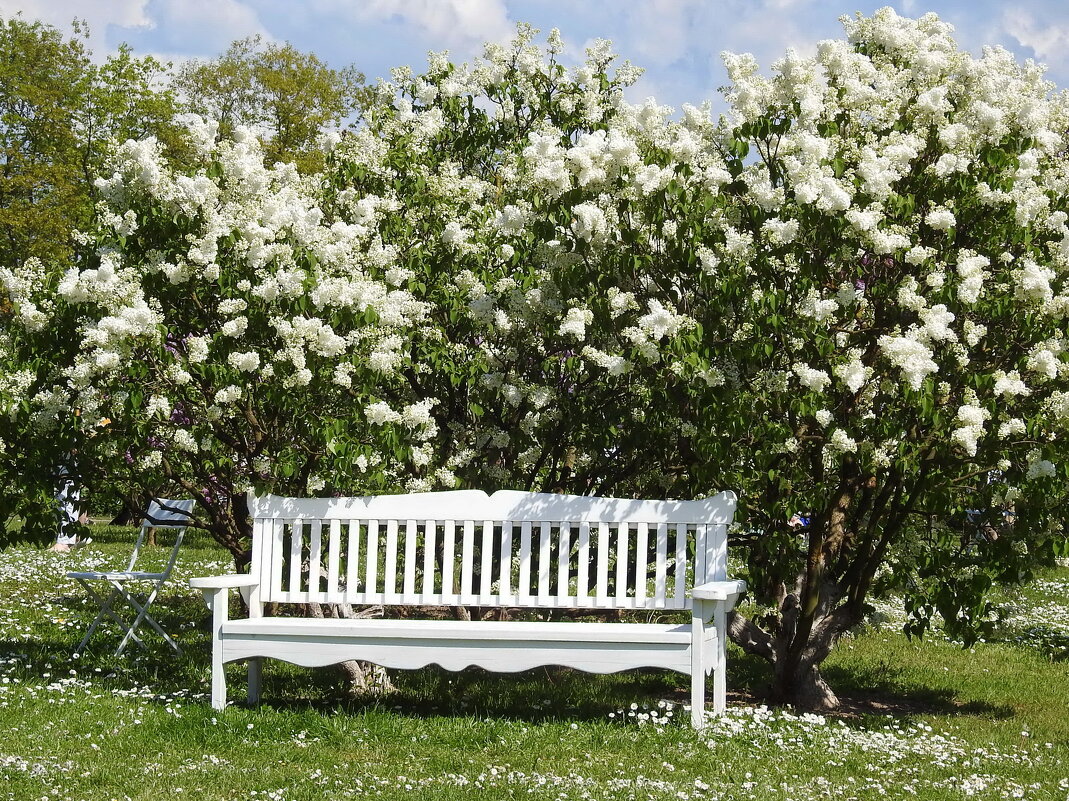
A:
(544, 532)
(660, 577)
(449, 530)
(505, 588)
(261, 544)
(296, 537)
(487, 570)
(315, 558)
(582, 585)
(564, 560)
(623, 542)
(601, 587)
(352, 571)
(333, 562)
(700, 555)
(716, 538)
(409, 584)
(372, 583)
(681, 565)
(467, 559)
(272, 577)
(430, 546)
(389, 573)
(642, 542)
(523, 592)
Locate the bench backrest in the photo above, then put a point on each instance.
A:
(510, 549)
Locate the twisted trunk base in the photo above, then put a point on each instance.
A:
(796, 679)
(803, 688)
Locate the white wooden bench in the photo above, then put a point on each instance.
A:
(463, 548)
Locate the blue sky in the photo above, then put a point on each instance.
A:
(678, 41)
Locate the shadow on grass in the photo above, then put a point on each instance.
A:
(564, 695)
(536, 696)
(540, 695)
(52, 654)
(884, 690)
(863, 690)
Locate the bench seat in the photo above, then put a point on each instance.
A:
(505, 646)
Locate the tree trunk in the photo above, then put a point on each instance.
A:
(362, 678)
(796, 664)
(802, 688)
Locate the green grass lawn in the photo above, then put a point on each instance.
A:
(926, 719)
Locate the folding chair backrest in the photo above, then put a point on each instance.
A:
(164, 513)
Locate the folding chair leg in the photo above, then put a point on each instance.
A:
(105, 610)
(144, 617)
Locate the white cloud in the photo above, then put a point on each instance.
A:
(662, 31)
(1049, 42)
(127, 13)
(460, 26)
(99, 14)
(205, 25)
(769, 41)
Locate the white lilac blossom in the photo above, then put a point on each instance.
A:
(853, 373)
(575, 323)
(1009, 385)
(841, 442)
(810, 378)
(911, 356)
(590, 221)
(1045, 362)
(818, 308)
(1011, 427)
(246, 362)
(973, 419)
(970, 269)
(1038, 467)
(380, 413)
(1033, 283)
(940, 219)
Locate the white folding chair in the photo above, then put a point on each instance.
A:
(162, 513)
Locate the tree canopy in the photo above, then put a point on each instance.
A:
(58, 113)
(288, 97)
(845, 299)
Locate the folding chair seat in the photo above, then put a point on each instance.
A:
(162, 514)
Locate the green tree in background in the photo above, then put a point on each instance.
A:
(39, 175)
(126, 98)
(286, 96)
(58, 112)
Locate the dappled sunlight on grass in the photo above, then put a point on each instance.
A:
(927, 719)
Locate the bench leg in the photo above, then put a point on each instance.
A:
(217, 602)
(697, 667)
(256, 666)
(218, 683)
(720, 662)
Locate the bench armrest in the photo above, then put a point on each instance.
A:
(216, 590)
(719, 591)
(224, 582)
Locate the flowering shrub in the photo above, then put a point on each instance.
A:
(845, 298)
